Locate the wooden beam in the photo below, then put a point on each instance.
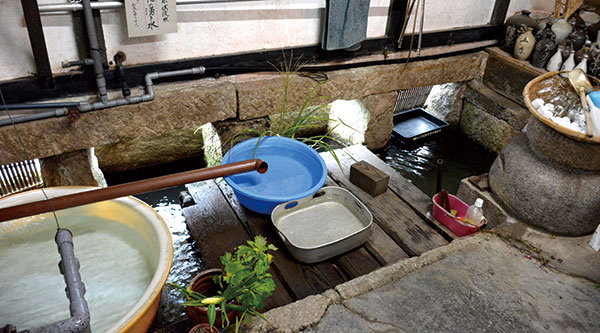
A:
(301, 280)
(38, 43)
(395, 20)
(405, 190)
(217, 230)
(499, 12)
(392, 214)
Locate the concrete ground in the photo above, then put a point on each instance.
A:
(497, 281)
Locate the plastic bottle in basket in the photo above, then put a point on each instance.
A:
(474, 214)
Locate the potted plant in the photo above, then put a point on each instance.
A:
(239, 289)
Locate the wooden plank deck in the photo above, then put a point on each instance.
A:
(401, 229)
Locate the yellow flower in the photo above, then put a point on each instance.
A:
(213, 300)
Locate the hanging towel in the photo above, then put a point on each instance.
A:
(345, 24)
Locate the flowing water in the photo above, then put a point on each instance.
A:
(114, 268)
(187, 260)
(462, 158)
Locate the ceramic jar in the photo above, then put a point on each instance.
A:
(524, 45)
(583, 64)
(589, 16)
(554, 62)
(577, 22)
(565, 48)
(569, 64)
(594, 62)
(578, 37)
(515, 26)
(544, 46)
(562, 29)
(584, 50)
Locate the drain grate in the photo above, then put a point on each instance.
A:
(20, 176)
(411, 98)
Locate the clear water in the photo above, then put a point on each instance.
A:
(32, 289)
(462, 158)
(187, 260)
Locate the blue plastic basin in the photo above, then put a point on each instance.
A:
(295, 171)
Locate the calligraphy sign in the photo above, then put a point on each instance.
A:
(150, 17)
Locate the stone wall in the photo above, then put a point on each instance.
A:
(183, 107)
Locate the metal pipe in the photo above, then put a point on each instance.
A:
(94, 50)
(142, 186)
(85, 107)
(440, 173)
(34, 116)
(78, 307)
(73, 7)
(118, 58)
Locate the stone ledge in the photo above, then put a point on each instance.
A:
(177, 106)
(496, 105)
(310, 310)
(484, 128)
(261, 95)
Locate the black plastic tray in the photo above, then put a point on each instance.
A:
(414, 125)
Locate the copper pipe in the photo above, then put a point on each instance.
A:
(142, 186)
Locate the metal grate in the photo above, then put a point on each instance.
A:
(20, 176)
(411, 98)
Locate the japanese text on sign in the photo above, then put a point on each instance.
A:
(150, 17)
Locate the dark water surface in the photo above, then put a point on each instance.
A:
(462, 158)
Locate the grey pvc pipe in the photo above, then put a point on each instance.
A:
(73, 7)
(40, 106)
(86, 107)
(78, 307)
(148, 96)
(94, 50)
(34, 116)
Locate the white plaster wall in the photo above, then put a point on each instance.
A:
(532, 5)
(214, 29)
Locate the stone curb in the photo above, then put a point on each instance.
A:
(309, 311)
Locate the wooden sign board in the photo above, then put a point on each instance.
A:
(150, 17)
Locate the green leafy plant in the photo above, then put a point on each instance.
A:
(244, 283)
(289, 122)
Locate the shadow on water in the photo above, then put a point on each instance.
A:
(462, 158)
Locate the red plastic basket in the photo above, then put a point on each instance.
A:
(456, 226)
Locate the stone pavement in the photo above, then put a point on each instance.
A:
(480, 283)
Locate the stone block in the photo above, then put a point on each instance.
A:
(368, 178)
(364, 81)
(232, 131)
(561, 200)
(316, 124)
(146, 151)
(445, 102)
(494, 213)
(484, 128)
(496, 105)
(381, 119)
(77, 168)
(508, 76)
(292, 317)
(177, 106)
(262, 95)
(568, 152)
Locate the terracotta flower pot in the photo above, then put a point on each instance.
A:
(203, 283)
(203, 328)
